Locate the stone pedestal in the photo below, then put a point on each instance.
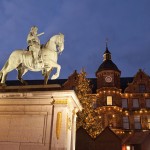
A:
(38, 120)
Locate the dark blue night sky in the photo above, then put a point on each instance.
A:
(86, 24)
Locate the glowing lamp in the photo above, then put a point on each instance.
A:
(127, 147)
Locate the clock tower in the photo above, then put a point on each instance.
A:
(108, 74)
(108, 91)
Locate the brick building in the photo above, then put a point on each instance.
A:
(123, 104)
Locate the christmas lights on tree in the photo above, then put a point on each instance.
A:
(88, 118)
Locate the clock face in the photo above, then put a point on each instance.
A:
(108, 79)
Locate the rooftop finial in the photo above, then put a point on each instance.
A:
(106, 43)
(107, 54)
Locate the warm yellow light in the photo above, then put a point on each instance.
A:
(109, 100)
(146, 94)
(127, 147)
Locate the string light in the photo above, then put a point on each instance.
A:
(93, 120)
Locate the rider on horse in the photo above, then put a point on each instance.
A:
(34, 45)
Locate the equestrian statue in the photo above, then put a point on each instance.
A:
(37, 57)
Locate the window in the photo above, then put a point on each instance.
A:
(109, 100)
(124, 103)
(135, 103)
(148, 103)
(125, 122)
(137, 122)
(94, 104)
(148, 121)
(142, 88)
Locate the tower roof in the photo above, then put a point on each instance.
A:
(108, 65)
(107, 62)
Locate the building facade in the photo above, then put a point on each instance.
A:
(122, 104)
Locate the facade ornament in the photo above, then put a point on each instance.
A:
(58, 124)
(69, 123)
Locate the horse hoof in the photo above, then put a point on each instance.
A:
(54, 77)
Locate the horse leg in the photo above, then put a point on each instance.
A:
(3, 78)
(58, 67)
(21, 72)
(4, 72)
(46, 75)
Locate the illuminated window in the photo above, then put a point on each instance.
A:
(128, 147)
(148, 103)
(135, 103)
(137, 122)
(125, 122)
(109, 100)
(148, 120)
(124, 103)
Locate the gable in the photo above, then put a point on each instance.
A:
(140, 83)
(107, 135)
(83, 140)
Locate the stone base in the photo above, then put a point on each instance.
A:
(25, 123)
(32, 120)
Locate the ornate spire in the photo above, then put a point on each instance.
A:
(107, 54)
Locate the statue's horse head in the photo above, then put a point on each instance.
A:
(56, 43)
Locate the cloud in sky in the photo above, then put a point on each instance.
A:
(86, 24)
